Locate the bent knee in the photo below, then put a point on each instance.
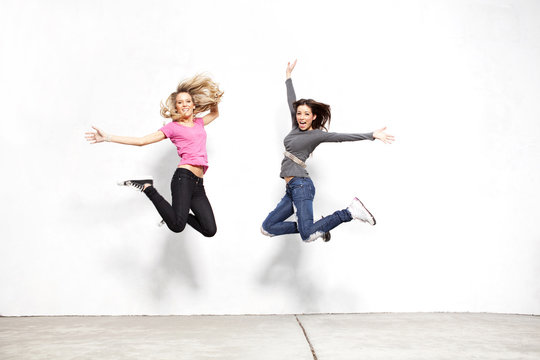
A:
(177, 228)
(312, 236)
(304, 235)
(266, 224)
(307, 234)
(209, 232)
(304, 231)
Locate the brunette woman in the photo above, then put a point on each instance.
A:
(310, 121)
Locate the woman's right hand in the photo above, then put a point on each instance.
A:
(97, 136)
(290, 68)
(383, 136)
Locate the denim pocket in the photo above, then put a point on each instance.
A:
(303, 191)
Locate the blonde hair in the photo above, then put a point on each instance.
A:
(203, 90)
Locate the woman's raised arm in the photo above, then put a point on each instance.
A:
(291, 95)
(212, 115)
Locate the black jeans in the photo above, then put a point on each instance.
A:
(187, 192)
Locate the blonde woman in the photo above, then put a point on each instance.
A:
(309, 129)
(192, 96)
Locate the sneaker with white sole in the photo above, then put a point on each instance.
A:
(358, 211)
(137, 183)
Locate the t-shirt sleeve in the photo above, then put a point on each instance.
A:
(199, 120)
(167, 130)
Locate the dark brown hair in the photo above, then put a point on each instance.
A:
(317, 108)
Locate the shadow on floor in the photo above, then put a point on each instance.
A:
(286, 269)
(175, 267)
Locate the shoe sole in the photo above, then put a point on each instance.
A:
(365, 208)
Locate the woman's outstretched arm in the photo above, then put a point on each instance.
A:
(379, 134)
(212, 115)
(101, 136)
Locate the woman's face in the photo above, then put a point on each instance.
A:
(304, 117)
(184, 104)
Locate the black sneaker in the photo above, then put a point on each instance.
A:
(137, 183)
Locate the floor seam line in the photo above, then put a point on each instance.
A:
(307, 338)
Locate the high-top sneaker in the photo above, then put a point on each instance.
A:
(137, 183)
(358, 211)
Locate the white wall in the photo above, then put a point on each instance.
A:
(456, 197)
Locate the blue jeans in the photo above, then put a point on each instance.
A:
(300, 192)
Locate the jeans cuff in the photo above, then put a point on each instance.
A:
(150, 190)
(345, 215)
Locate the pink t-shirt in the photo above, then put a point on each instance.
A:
(190, 142)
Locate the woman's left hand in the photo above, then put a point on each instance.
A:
(384, 137)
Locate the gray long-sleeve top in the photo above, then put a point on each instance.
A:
(302, 143)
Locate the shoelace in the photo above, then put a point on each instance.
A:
(135, 185)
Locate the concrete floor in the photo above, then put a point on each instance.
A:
(302, 337)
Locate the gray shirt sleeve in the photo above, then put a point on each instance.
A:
(291, 98)
(339, 137)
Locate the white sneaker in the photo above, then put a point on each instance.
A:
(359, 212)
